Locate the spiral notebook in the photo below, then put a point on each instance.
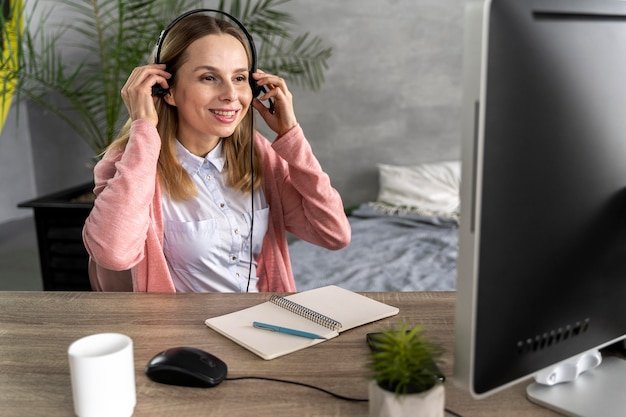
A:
(326, 311)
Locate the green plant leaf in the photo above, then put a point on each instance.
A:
(108, 38)
(404, 360)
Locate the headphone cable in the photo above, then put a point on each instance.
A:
(251, 196)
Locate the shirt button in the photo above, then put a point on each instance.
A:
(208, 177)
(234, 258)
(236, 231)
(237, 275)
(222, 205)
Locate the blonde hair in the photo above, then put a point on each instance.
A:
(239, 165)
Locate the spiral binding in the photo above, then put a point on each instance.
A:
(305, 312)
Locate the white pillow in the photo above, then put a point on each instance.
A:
(426, 188)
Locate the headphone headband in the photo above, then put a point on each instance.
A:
(164, 32)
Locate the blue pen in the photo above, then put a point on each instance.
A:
(286, 330)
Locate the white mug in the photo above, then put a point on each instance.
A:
(102, 371)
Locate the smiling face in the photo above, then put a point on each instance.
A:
(212, 92)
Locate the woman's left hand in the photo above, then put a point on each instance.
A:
(284, 118)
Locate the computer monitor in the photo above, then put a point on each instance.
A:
(542, 237)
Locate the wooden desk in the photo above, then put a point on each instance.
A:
(36, 329)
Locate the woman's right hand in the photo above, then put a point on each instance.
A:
(137, 92)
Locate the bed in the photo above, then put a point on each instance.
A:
(405, 240)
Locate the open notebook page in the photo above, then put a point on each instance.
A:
(347, 307)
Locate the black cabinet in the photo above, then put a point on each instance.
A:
(59, 220)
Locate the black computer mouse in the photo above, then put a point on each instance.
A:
(186, 366)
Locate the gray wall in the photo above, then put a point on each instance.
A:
(17, 181)
(393, 88)
(392, 95)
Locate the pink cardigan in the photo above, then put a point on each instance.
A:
(125, 228)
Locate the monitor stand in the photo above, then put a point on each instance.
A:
(598, 392)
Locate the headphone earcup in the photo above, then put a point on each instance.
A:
(257, 90)
(159, 91)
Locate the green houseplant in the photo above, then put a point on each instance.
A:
(72, 59)
(108, 38)
(405, 376)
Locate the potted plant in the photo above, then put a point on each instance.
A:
(75, 68)
(406, 380)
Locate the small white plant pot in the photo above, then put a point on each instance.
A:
(383, 403)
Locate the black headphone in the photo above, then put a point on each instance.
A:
(257, 90)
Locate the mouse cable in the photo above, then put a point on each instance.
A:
(341, 397)
(302, 384)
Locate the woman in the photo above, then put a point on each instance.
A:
(174, 190)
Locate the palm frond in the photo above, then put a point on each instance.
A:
(111, 37)
(303, 59)
(300, 59)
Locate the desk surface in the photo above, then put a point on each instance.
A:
(36, 329)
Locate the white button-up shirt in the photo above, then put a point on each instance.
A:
(207, 238)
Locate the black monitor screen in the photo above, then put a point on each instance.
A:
(542, 257)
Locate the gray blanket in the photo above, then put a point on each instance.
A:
(388, 252)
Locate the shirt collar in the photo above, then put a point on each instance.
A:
(192, 163)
